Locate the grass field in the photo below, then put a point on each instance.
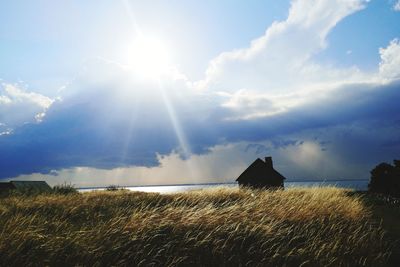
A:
(322, 226)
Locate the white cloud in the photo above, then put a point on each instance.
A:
(389, 67)
(396, 6)
(18, 106)
(4, 130)
(281, 60)
(273, 76)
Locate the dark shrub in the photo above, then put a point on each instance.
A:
(114, 188)
(385, 179)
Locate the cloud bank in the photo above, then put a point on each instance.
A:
(111, 126)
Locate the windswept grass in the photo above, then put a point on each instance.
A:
(214, 227)
(64, 189)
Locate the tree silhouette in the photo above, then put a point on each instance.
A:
(385, 179)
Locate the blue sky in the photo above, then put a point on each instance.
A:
(158, 92)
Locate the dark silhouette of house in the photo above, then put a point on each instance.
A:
(25, 186)
(261, 174)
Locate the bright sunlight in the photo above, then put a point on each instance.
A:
(150, 57)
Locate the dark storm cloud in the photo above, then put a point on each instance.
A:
(102, 129)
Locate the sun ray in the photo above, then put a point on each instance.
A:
(150, 60)
(183, 143)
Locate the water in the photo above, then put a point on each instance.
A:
(168, 189)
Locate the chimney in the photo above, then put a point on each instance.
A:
(268, 162)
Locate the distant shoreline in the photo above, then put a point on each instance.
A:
(223, 183)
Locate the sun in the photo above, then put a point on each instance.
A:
(150, 57)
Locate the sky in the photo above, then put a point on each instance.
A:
(130, 92)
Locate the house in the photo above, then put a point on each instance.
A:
(25, 186)
(261, 174)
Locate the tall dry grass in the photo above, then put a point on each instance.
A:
(214, 227)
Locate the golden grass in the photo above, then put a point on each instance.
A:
(321, 226)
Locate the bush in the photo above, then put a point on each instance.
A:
(385, 179)
(112, 188)
(64, 189)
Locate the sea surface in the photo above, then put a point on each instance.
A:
(167, 189)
